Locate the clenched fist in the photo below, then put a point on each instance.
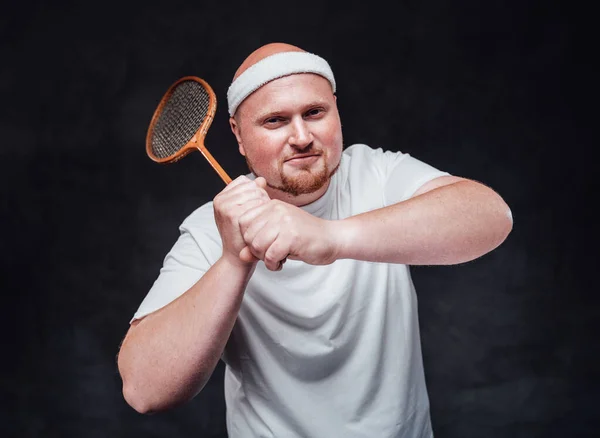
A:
(275, 230)
(239, 197)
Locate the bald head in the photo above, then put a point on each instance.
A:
(269, 62)
(262, 52)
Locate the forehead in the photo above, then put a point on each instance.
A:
(287, 93)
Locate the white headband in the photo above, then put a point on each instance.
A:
(273, 67)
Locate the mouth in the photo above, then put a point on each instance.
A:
(302, 158)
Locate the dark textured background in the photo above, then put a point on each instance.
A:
(497, 91)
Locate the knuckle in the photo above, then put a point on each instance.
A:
(274, 252)
(270, 258)
(280, 209)
(294, 234)
(255, 245)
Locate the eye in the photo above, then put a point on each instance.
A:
(273, 121)
(314, 112)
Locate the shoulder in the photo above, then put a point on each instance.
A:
(371, 155)
(369, 161)
(362, 176)
(361, 150)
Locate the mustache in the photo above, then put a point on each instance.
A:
(304, 153)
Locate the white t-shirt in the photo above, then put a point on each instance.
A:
(319, 351)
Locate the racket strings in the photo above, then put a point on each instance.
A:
(180, 119)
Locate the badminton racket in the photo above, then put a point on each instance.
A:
(181, 121)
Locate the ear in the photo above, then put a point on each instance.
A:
(235, 128)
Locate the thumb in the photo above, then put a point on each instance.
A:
(247, 256)
(261, 182)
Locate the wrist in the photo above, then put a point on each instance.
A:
(234, 263)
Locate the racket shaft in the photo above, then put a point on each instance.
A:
(226, 179)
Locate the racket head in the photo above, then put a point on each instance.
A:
(181, 120)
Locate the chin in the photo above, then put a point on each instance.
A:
(305, 183)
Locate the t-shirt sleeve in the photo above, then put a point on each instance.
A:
(190, 257)
(404, 175)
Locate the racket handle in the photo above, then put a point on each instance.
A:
(226, 179)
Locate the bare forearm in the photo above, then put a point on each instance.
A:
(167, 358)
(448, 225)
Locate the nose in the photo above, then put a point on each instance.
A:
(301, 137)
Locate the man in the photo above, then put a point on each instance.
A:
(297, 276)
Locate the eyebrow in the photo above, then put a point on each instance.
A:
(269, 114)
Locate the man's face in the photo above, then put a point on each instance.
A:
(290, 133)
